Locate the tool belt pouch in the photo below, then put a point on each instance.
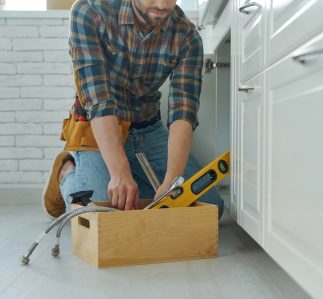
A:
(78, 135)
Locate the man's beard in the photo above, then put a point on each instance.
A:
(153, 21)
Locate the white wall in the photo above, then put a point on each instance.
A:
(213, 35)
(36, 91)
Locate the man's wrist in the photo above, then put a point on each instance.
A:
(120, 167)
(171, 175)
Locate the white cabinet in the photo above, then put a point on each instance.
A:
(294, 200)
(251, 32)
(291, 23)
(277, 138)
(250, 203)
(249, 113)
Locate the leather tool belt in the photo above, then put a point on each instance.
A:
(77, 131)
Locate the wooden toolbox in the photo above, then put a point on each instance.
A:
(146, 236)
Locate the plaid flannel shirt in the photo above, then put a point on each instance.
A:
(119, 70)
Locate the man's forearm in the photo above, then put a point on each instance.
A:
(107, 134)
(179, 146)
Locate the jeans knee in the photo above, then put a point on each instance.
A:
(213, 197)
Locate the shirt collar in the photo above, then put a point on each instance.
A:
(126, 15)
(166, 23)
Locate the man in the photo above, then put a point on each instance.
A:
(122, 52)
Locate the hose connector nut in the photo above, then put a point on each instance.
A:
(56, 251)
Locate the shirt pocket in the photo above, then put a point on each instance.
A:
(117, 56)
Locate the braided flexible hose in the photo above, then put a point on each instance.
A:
(26, 258)
(76, 212)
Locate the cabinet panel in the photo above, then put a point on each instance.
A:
(251, 147)
(292, 23)
(235, 115)
(251, 31)
(294, 179)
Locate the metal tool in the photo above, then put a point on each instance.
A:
(193, 188)
(148, 170)
(183, 194)
(177, 182)
(152, 177)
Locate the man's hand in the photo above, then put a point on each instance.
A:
(122, 189)
(179, 145)
(163, 188)
(123, 192)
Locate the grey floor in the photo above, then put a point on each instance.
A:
(243, 269)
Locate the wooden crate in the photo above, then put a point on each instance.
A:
(146, 236)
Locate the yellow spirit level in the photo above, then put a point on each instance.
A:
(197, 185)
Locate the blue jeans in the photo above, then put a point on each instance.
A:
(91, 172)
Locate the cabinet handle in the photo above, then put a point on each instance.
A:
(246, 88)
(242, 9)
(301, 58)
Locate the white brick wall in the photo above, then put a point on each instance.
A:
(30, 56)
(36, 92)
(34, 21)
(26, 44)
(43, 68)
(8, 92)
(18, 31)
(19, 80)
(5, 43)
(7, 117)
(6, 141)
(56, 56)
(7, 68)
(19, 104)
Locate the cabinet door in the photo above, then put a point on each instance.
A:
(251, 127)
(291, 24)
(235, 114)
(251, 35)
(294, 194)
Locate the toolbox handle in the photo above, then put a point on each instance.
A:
(83, 222)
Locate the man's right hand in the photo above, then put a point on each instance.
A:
(122, 188)
(123, 192)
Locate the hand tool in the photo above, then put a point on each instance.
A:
(148, 170)
(177, 182)
(152, 177)
(193, 188)
(183, 194)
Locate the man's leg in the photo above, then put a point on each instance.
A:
(90, 173)
(52, 200)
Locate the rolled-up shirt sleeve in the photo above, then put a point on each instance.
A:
(186, 81)
(89, 61)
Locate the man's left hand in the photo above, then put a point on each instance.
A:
(163, 188)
